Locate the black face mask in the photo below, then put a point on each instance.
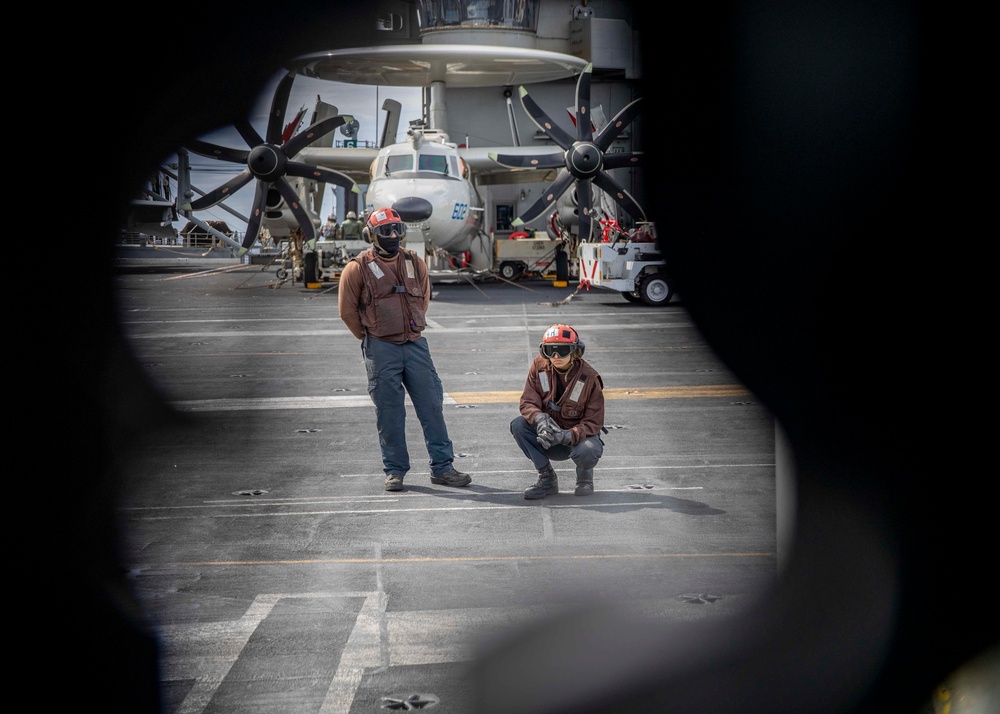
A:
(387, 246)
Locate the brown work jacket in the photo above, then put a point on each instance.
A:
(386, 298)
(581, 407)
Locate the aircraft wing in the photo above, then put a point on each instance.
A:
(491, 172)
(357, 162)
(353, 162)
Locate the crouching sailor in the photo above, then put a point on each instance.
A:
(562, 413)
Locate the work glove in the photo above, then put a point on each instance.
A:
(544, 423)
(544, 426)
(562, 436)
(549, 433)
(549, 437)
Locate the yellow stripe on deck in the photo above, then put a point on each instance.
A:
(711, 390)
(450, 398)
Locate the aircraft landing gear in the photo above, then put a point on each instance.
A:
(310, 274)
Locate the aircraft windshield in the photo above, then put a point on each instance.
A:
(433, 162)
(400, 162)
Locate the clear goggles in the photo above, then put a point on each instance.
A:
(385, 230)
(561, 350)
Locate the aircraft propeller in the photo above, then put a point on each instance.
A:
(269, 161)
(584, 161)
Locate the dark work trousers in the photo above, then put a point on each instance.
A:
(585, 455)
(392, 368)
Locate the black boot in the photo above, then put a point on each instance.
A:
(547, 484)
(584, 481)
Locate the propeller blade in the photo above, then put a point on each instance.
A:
(279, 105)
(256, 216)
(614, 127)
(554, 191)
(620, 195)
(295, 203)
(312, 133)
(214, 151)
(249, 134)
(297, 168)
(584, 205)
(221, 193)
(279, 151)
(584, 131)
(543, 122)
(512, 161)
(621, 161)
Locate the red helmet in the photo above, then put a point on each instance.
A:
(383, 215)
(383, 223)
(562, 340)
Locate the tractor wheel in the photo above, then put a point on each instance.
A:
(654, 290)
(511, 270)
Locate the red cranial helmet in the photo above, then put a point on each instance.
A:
(382, 224)
(383, 215)
(561, 340)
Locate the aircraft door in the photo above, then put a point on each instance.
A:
(504, 216)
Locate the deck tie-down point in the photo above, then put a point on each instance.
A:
(414, 701)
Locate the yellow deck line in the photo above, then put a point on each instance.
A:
(711, 390)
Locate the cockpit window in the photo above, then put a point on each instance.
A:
(434, 162)
(400, 162)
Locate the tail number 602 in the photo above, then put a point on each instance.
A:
(458, 214)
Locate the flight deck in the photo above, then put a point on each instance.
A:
(280, 576)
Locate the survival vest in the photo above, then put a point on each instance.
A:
(570, 408)
(388, 308)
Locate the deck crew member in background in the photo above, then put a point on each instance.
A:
(384, 294)
(562, 413)
(351, 228)
(328, 231)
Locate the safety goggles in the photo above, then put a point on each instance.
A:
(561, 350)
(386, 230)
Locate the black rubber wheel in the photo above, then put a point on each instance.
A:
(510, 270)
(281, 273)
(631, 297)
(309, 272)
(654, 290)
(562, 266)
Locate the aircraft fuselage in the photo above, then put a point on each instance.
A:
(428, 171)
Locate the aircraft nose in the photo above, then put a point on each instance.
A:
(413, 208)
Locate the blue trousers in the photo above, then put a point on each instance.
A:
(392, 368)
(585, 455)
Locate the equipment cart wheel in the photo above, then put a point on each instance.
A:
(511, 270)
(281, 273)
(631, 296)
(654, 290)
